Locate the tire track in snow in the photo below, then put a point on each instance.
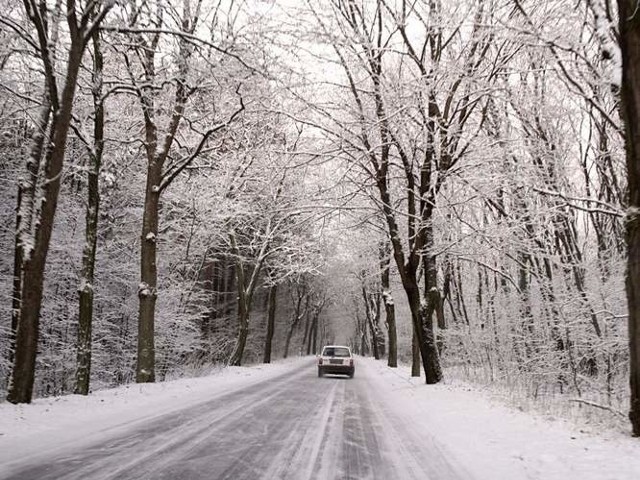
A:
(168, 436)
(291, 427)
(415, 454)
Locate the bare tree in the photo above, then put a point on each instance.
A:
(271, 321)
(38, 193)
(630, 106)
(164, 163)
(85, 290)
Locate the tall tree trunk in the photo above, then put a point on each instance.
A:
(415, 354)
(312, 329)
(389, 307)
(375, 342)
(390, 312)
(315, 336)
(307, 324)
(34, 260)
(433, 299)
(26, 197)
(17, 283)
(243, 333)
(364, 350)
(157, 153)
(629, 26)
(301, 293)
(85, 317)
(147, 290)
(423, 319)
(287, 341)
(422, 322)
(372, 314)
(271, 322)
(245, 289)
(243, 306)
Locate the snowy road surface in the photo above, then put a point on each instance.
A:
(282, 421)
(294, 426)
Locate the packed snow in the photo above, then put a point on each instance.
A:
(478, 434)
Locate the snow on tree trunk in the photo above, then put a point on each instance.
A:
(389, 307)
(85, 317)
(32, 249)
(147, 289)
(629, 25)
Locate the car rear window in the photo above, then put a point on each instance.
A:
(336, 352)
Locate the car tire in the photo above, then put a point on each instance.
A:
(351, 375)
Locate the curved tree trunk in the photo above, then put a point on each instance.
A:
(301, 294)
(85, 317)
(33, 262)
(389, 307)
(245, 293)
(629, 26)
(241, 341)
(287, 342)
(271, 321)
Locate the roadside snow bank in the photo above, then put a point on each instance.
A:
(493, 441)
(50, 424)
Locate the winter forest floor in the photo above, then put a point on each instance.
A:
(452, 430)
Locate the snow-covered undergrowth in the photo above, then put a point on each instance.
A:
(588, 411)
(494, 441)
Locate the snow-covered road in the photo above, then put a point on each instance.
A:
(294, 426)
(283, 422)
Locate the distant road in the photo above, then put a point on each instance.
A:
(295, 426)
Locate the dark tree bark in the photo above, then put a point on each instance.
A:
(364, 344)
(629, 26)
(287, 341)
(301, 295)
(147, 289)
(159, 174)
(316, 311)
(375, 341)
(271, 322)
(246, 289)
(389, 307)
(307, 331)
(25, 198)
(372, 312)
(415, 355)
(85, 316)
(35, 232)
(408, 269)
(313, 329)
(315, 336)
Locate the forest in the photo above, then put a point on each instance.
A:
(453, 185)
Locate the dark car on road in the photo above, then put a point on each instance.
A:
(336, 359)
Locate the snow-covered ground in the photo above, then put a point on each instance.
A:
(494, 441)
(60, 423)
(487, 439)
